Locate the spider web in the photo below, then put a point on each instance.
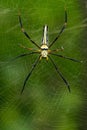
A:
(45, 103)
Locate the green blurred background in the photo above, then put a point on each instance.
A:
(46, 103)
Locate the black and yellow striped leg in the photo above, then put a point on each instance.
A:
(57, 69)
(23, 30)
(68, 58)
(62, 29)
(23, 55)
(28, 76)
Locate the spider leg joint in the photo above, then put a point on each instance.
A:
(22, 29)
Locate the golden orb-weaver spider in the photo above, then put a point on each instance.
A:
(44, 51)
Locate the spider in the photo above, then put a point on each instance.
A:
(44, 51)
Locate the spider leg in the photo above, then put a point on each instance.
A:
(62, 29)
(22, 55)
(57, 69)
(31, 49)
(34, 65)
(23, 30)
(56, 50)
(72, 59)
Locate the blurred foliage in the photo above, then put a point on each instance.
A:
(46, 103)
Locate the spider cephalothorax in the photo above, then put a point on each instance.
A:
(44, 50)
